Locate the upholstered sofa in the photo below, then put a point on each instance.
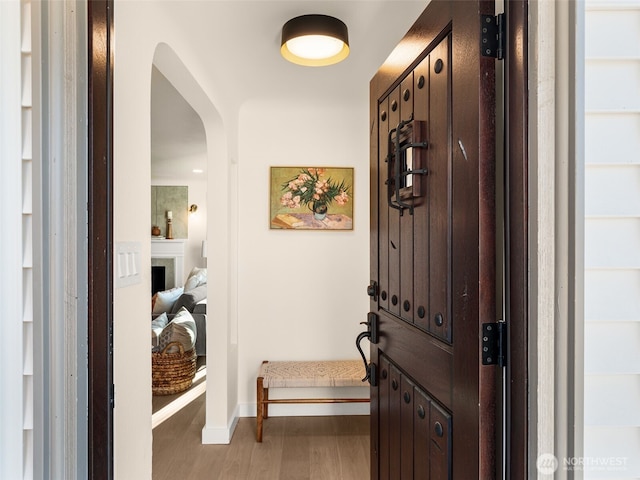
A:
(194, 301)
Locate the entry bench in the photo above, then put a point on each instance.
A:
(329, 373)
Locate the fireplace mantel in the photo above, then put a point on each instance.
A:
(173, 249)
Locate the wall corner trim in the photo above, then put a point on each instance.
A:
(221, 435)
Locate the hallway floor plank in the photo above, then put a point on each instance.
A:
(293, 448)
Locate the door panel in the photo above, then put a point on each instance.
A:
(384, 385)
(394, 220)
(407, 418)
(433, 250)
(406, 221)
(440, 183)
(422, 205)
(421, 439)
(395, 425)
(440, 429)
(428, 451)
(382, 210)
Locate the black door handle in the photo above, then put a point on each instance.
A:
(372, 334)
(359, 338)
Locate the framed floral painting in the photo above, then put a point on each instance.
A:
(311, 198)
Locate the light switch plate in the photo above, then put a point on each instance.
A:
(128, 263)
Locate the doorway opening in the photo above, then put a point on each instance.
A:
(201, 147)
(178, 233)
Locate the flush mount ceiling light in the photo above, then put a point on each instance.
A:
(315, 40)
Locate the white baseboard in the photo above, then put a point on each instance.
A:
(221, 436)
(308, 409)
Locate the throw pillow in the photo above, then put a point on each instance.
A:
(181, 329)
(157, 324)
(197, 277)
(165, 300)
(189, 298)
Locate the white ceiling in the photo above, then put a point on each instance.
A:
(239, 42)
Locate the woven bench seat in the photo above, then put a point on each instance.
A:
(291, 374)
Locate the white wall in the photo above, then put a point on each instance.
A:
(132, 171)
(301, 294)
(612, 236)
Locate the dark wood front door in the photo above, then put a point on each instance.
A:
(433, 251)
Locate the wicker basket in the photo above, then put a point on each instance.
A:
(172, 372)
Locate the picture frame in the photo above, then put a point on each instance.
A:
(311, 198)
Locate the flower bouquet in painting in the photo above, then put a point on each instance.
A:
(312, 198)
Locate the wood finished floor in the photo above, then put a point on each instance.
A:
(293, 448)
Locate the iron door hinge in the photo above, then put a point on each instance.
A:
(493, 35)
(494, 344)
